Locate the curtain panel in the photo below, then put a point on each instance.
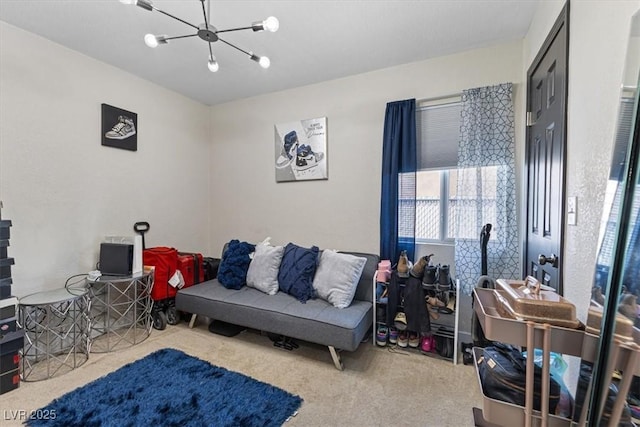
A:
(486, 153)
(398, 157)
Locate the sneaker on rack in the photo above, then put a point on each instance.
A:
(122, 130)
(400, 321)
(427, 344)
(382, 335)
(414, 340)
(393, 335)
(403, 339)
(384, 271)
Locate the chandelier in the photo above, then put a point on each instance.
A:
(208, 32)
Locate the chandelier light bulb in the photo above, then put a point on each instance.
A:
(271, 24)
(213, 65)
(128, 1)
(264, 62)
(151, 40)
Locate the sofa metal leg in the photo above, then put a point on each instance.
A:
(336, 358)
(192, 322)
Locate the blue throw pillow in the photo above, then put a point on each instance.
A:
(232, 273)
(297, 268)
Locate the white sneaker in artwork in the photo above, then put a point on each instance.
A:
(306, 158)
(123, 129)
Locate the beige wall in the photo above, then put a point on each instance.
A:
(63, 191)
(343, 211)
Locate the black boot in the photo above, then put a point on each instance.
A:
(430, 278)
(444, 279)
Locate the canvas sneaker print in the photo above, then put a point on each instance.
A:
(123, 129)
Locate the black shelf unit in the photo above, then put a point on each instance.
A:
(11, 335)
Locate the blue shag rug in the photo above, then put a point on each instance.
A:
(171, 388)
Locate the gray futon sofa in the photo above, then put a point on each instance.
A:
(316, 321)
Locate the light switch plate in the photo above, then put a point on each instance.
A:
(572, 210)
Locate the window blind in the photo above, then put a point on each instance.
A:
(438, 135)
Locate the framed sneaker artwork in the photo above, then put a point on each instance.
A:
(119, 128)
(301, 150)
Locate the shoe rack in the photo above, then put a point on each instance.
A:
(445, 326)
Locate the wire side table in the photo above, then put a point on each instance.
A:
(56, 325)
(120, 311)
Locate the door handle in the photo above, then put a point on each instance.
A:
(553, 260)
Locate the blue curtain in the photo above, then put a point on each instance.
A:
(486, 191)
(398, 179)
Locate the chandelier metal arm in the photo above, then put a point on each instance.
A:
(234, 29)
(175, 17)
(235, 47)
(180, 37)
(204, 12)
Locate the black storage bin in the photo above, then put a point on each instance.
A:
(9, 361)
(9, 381)
(5, 288)
(8, 308)
(3, 248)
(4, 229)
(8, 325)
(11, 342)
(5, 267)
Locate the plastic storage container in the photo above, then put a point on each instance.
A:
(526, 300)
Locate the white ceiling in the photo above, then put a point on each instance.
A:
(318, 40)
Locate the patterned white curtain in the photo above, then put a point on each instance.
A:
(486, 191)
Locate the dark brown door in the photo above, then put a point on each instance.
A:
(545, 157)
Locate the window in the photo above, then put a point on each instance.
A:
(442, 214)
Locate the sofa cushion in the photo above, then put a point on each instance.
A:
(337, 277)
(232, 272)
(264, 268)
(297, 269)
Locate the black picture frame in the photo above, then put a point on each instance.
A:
(119, 128)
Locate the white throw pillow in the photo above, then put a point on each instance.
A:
(337, 277)
(264, 267)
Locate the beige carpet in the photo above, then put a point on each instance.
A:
(377, 387)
